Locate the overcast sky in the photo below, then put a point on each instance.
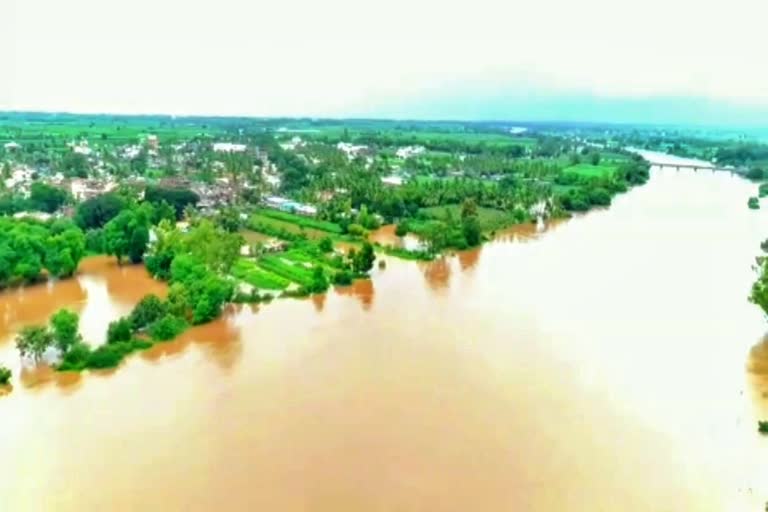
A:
(408, 58)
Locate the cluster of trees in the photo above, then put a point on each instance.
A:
(194, 263)
(127, 234)
(177, 198)
(27, 248)
(42, 197)
(448, 232)
(62, 332)
(742, 153)
(759, 293)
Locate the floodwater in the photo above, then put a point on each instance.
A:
(611, 362)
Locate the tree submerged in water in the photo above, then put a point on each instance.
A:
(5, 376)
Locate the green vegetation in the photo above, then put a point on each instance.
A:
(591, 171)
(5, 376)
(762, 427)
(127, 234)
(248, 271)
(96, 212)
(763, 190)
(306, 222)
(753, 203)
(177, 198)
(406, 254)
(27, 248)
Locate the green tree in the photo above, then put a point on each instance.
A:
(162, 211)
(149, 309)
(127, 235)
(65, 329)
(34, 340)
(5, 375)
(97, 211)
(119, 330)
(363, 260)
(167, 328)
(46, 198)
(64, 252)
(326, 244)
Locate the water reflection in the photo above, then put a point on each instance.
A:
(362, 290)
(469, 259)
(319, 302)
(220, 341)
(437, 273)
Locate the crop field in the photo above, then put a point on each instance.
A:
(291, 227)
(293, 272)
(591, 171)
(305, 222)
(489, 218)
(248, 271)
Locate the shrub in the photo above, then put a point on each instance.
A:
(755, 173)
(5, 375)
(326, 244)
(76, 358)
(762, 427)
(401, 229)
(119, 330)
(753, 203)
(167, 328)
(356, 230)
(762, 190)
(149, 309)
(343, 278)
(108, 356)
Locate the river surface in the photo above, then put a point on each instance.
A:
(609, 363)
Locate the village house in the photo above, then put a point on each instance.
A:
(290, 206)
(228, 147)
(392, 181)
(291, 145)
(12, 146)
(20, 179)
(83, 189)
(410, 151)
(81, 148)
(351, 150)
(153, 143)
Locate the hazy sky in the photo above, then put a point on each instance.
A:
(434, 58)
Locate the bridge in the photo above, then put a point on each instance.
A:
(695, 167)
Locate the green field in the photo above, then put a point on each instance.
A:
(490, 219)
(293, 272)
(284, 225)
(248, 271)
(591, 171)
(305, 222)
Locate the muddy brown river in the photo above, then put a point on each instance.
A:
(609, 363)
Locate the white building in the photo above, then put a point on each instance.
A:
(228, 147)
(20, 177)
(81, 148)
(12, 146)
(409, 151)
(292, 144)
(351, 150)
(392, 181)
